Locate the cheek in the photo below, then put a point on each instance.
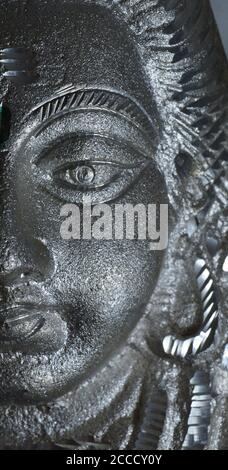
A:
(106, 279)
(127, 274)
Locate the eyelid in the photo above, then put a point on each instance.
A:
(126, 166)
(122, 143)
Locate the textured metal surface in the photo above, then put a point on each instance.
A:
(150, 77)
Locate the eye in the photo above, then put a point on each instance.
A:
(82, 175)
(69, 171)
(90, 175)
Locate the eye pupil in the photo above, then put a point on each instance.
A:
(85, 174)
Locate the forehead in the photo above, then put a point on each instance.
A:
(73, 42)
(63, 34)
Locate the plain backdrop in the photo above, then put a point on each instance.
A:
(220, 8)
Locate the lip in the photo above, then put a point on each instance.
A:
(32, 329)
(15, 319)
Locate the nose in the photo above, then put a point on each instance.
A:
(29, 322)
(22, 274)
(24, 253)
(22, 264)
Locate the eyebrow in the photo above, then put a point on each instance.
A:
(71, 98)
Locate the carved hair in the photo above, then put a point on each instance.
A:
(188, 71)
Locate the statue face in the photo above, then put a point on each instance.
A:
(67, 305)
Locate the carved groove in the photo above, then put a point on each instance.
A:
(153, 422)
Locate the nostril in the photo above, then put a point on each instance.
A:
(28, 274)
(25, 273)
(35, 264)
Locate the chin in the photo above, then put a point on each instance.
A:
(40, 379)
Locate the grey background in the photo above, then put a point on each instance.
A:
(220, 8)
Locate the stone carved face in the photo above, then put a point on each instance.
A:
(68, 305)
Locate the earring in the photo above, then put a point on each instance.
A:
(193, 345)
